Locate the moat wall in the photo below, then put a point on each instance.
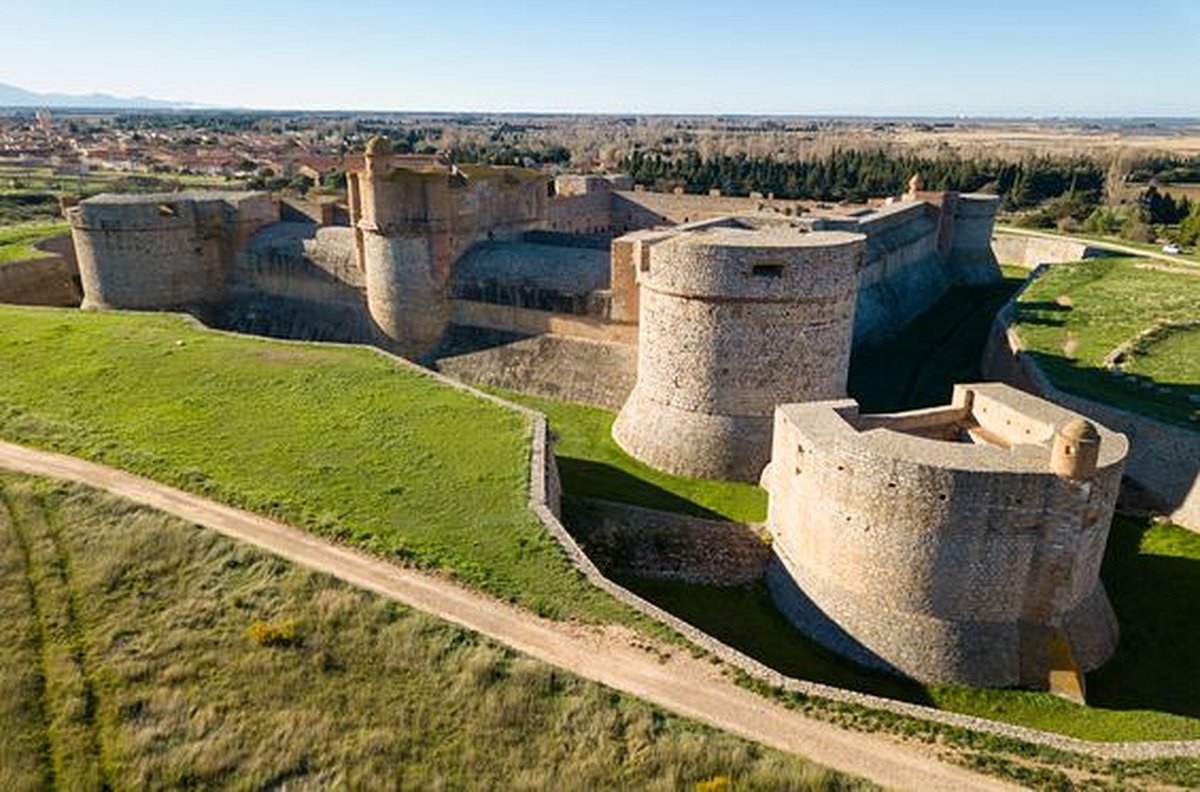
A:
(49, 280)
(1164, 460)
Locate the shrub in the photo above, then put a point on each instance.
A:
(285, 632)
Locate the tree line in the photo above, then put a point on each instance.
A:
(855, 175)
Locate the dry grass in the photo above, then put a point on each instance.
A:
(363, 693)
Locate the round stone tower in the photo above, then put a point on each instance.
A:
(403, 234)
(732, 322)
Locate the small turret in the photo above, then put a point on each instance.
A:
(1076, 450)
(377, 148)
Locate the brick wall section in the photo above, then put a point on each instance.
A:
(1164, 460)
(628, 540)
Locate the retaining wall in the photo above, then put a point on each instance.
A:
(629, 540)
(589, 372)
(51, 280)
(1164, 460)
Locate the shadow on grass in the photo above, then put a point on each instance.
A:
(585, 478)
(1157, 600)
(919, 366)
(746, 618)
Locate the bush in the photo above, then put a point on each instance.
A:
(285, 633)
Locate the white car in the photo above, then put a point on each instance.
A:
(1171, 249)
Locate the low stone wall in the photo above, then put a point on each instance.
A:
(628, 540)
(531, 322)
(1028, 250)
(1164, 460)
(589, 372)
(50, 280)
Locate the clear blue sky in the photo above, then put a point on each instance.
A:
(886, 57)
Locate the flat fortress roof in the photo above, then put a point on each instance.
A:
(767, 237)
(1024, 422)
(167, 197)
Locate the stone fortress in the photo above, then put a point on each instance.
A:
(722, 328)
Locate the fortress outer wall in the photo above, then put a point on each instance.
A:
(940, 544)
(732, 322)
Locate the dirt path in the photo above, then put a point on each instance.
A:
(613, 656)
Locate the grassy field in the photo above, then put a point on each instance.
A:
(592, 465)
(31, 194)
(1074, 315)
(142, 652)
(1146, 692)
(16, 241)
(338, 440)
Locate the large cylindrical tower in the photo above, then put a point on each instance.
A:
(732, 322)
(165, 250)
(403, 233)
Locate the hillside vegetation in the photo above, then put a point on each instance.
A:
(141, 652)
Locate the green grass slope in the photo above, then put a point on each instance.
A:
(339, 440)
(144, 653)
(1146, 692)
(1074, 315)
(592, 465)
(16, 241)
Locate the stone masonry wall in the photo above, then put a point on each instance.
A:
(50, 280)
(733, 322)
(627, 540)
(163, 251)
(590, 372)
(944, 561)
(1029, 251)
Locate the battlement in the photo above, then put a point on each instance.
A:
(956, 544)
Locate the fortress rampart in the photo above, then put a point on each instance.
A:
(167, 250)
(733, 321)
(958, 544)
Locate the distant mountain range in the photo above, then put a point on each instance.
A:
(12, 96)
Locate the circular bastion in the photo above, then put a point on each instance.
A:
(733, 321)
(956, 544)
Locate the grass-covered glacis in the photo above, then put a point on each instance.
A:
(339, 440)
(17, 241)
(1075, 316)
